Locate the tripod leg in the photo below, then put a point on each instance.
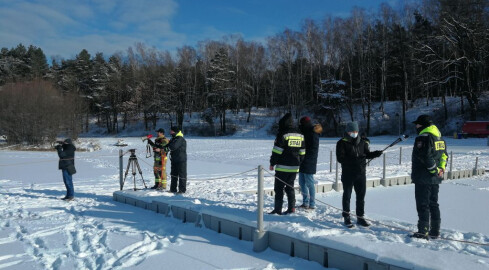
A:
(134, 174)
(141, 173)
(127, 171)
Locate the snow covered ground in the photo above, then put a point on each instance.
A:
(39, 231)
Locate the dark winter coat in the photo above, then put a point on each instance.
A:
(429, 153)
(352, 154)
(178, 148)
(289, 148)
(311, 138)
(66, 153)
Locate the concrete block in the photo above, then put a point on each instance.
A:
(153, 207)
(408, 180)
(373, 265)
(469, 173)
(207, 220)
(162, 208)
(141, 204)
(280, 243)
(230, 228)
(301, 249)
(345, 261)
(130, 201)
(119, 198)
(318, 254)
(323, 188)
(394, 181)
(184, 215)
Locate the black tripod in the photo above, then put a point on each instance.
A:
(133, 163)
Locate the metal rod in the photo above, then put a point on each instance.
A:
(383, 170)
(120, 168)
(476, 162)
(336, 178)
(331, 161)
(259, 223)
(400, 155)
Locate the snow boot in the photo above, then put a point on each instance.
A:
(348, 222)
(275, 211)
(303, 206)
(289, 211)
(362, 222)
(155, 186)
(420, 235)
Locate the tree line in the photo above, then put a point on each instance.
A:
(427, 49)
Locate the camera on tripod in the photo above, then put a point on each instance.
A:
(133, 152)
(133, 165)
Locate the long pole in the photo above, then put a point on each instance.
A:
(331, 161)
(120, 168)
(400, 155)
(259, 223)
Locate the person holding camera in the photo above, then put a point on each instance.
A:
(178, 156)
(429, 160)
(66, 152)
(352, 152)
(160, 159)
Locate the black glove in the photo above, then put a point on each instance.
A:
(58, 147)
(377, 153)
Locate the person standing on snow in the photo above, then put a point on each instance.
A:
(287, 155)
(352, 152)
(308, 166)
(429, 160)
(66, 152)
(160, 159)
(178, 150)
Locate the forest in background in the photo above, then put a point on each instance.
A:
(423, 50)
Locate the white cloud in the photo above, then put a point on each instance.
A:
(65, 27)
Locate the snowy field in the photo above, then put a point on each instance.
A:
(39, 231)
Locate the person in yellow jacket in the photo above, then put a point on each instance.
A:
(429, 161)
(160, 159)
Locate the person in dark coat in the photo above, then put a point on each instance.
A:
(287, 154)
(66, 152)
(308, 166)
(429, 160)
(352, 152)
(178, 156)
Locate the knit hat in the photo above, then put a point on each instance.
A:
(305, 120)
(175, 129)
(352, 127)
(160, 130)
(423, 120)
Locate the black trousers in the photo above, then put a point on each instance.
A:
(359, 183)
(178, 177)
(427, 206)
(279, 188)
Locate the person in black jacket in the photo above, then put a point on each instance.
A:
(308, 166)
(287, 155)
(352, 152)
(66, 152)
(178, 156)
(429, 160)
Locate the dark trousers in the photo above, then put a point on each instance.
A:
(178, 177)
(427, 206)
(279, 186)
(68, 180)
(359, 183)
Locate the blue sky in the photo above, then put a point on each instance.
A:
(65, 27)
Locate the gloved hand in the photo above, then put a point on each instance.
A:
(377, 153)
(58, 147)
(438, 172)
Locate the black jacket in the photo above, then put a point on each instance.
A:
(429, 153)
(352, 154)
(311, 138)
(288, 149)
(178, 148)
(66, 153)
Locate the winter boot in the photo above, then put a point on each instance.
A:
(289, 211)
(275, 211)
(304, 206)
(362, 222)
(435, 229)
(420, 235)
(155, 186)
(348, 221)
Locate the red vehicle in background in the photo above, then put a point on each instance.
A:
(476, 129)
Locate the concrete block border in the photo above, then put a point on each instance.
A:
(325, 255)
